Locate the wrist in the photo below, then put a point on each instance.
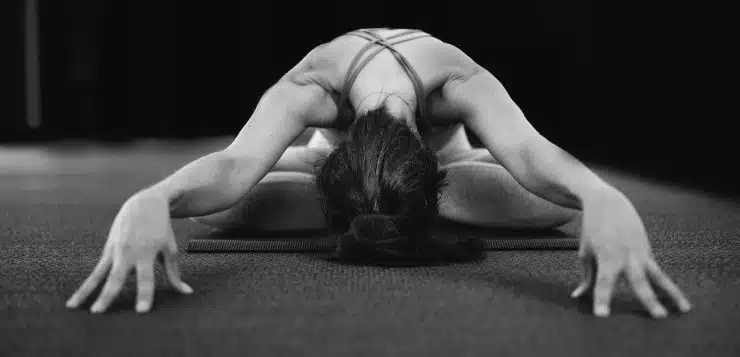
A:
(605, 195)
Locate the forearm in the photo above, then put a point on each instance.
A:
(207, 185)
(551, 173)
(300, 159)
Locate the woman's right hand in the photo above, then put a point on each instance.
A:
(140, 231)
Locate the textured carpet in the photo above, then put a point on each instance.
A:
(57, 203)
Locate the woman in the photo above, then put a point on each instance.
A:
(389, 154)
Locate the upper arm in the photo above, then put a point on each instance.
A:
(490, 113)
(291, 105)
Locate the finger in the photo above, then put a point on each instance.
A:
(116, 278)
(662, 280)
(145, 288)
(173, 273)
(91, 282)
(588, 277)
(606, 275)
(637, 278)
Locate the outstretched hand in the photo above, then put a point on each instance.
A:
(614, 241)
(140, 232)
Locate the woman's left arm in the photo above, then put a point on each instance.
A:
(613, 237)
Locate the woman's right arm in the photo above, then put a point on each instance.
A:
(217, 181)
(142, 228)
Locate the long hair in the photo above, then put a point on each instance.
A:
(380, 190)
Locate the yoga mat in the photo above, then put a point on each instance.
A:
(253, 242)
(328, 245)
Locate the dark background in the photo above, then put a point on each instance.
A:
(634, 87)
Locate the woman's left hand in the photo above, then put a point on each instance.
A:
(614, 241)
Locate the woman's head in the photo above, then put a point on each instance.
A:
(380, 189)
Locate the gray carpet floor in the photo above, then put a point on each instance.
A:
(57, 203)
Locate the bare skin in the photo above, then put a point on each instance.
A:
(520, 179)
(481, 192)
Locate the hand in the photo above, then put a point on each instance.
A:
(614, 241)
(139, 232)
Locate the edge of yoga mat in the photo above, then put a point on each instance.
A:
(329, 245)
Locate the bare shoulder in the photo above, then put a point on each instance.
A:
(305, 87)
(310, 66)
(455, 61)
(440, 64)
(431, 57)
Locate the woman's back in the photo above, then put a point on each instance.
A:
(383, 77)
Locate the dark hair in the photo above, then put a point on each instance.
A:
(379, 191)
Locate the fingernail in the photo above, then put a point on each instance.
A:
(187, 289)
(660, 312)
(96, 309)
(574, 294)
(142, 306)
(70, 304)
(601, 311)
(685, 306)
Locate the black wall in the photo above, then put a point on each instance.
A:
(627, 85)
(12, 89)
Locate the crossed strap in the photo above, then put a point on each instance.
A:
(387, 43)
